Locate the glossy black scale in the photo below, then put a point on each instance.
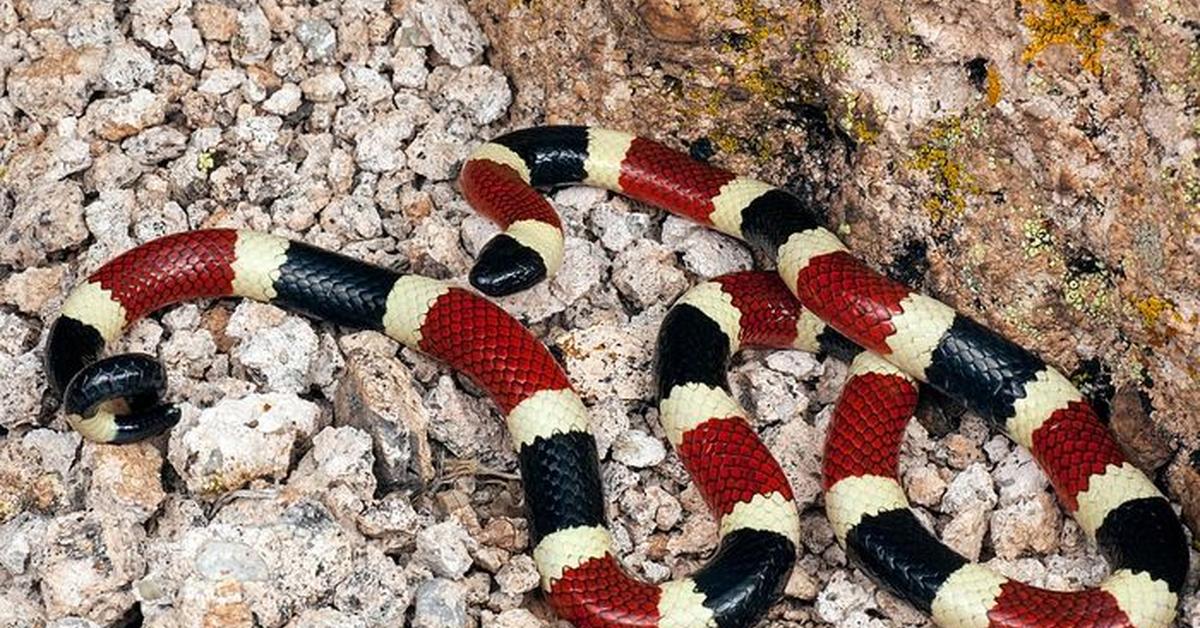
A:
(71, 346)
(982, 369)
(746, 575)
(142, 425)
(137, 379)
(555, 155)
(1144, 535)
(896, 549)
(562, 483)
(773, 217)
(505, 266)
(691, 348)
(333, 287)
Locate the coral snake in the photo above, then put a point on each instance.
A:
(822, 299)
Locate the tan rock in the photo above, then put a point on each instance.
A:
(679, 21)
(126, 479)
(31, 289)
(215, 21)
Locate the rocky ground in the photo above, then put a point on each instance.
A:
(1033, 162)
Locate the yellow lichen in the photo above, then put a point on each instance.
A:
(765, 83)
(1066, 22)
(756, 19)
(993, 85)
(951, 183)
(1153, 308)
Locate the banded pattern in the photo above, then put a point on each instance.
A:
(923, 338)
(871, 517)
(119, 399)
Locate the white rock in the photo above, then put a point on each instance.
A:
(187, 40)
(444, 548)
(608, 360)
(260, 558)
(1030, 525)
(323, 87)
(46, 219)
(366, 86)
(380, 147)
(408, 67)
(117, 118)
(481, 91)
(440, 604)
(221, 81)
(127, 67)
(326, 617)
(156, 145)
(1019, 478)
(438, 148)
(519, 575)
(279, 347)
(337, 471)
(318, 38)
(647, 274)
(376, 394)
(966, 531)
(705, 252)
(29, 290)
(253, 41)
(239, 440)
(86, 565)
(616, 224)
(19, 537)
(454, 33)
(841, 599)
(284, 101)
(259, 132)
(969, 490)
(638, 449)
(513, 618)
(924, 485)
(466, 425)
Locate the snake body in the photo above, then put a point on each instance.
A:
(119, 399)
(907, 337)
